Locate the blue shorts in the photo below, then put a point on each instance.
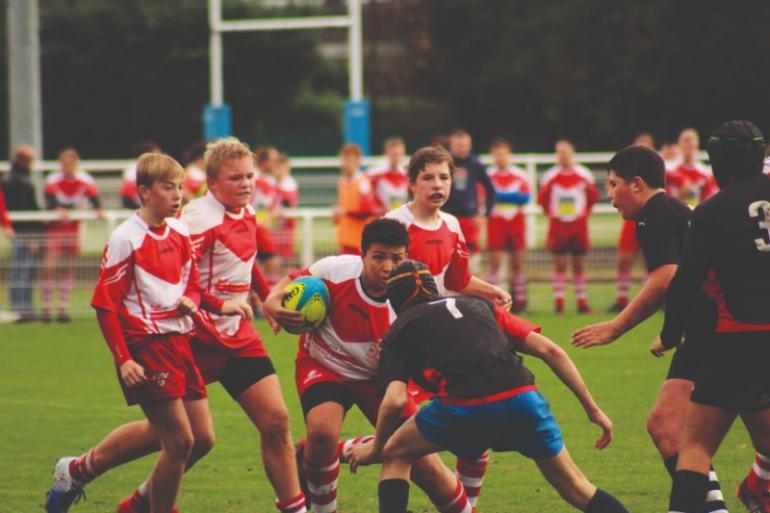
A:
(521, 423)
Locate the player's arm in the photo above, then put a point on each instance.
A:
(644, 304)
(478, 287)
(273, 305)
(96, 203)
(685, 286)
(560, 363)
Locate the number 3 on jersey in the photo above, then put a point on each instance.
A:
(764, 224)
(451, 304)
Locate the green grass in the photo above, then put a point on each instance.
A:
(60, 396)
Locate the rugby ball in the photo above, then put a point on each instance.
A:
(310, 296)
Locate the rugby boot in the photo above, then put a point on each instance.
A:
(64, 491)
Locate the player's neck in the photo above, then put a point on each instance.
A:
(152, 218)
(648, 194)
(423, 213)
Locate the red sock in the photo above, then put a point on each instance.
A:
(292, 505)
(457, 503)
(322, 485)
(758, 479)
(471, 474)
(82, 469)
(345, 446)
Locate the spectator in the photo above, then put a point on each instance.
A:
(692, 181)
(355, 201)
(288, 197)
(65, 190)
(129, 198)
(463, 200)
(25, 249)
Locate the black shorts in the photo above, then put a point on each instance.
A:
(734, 372)
(685, 363)
(240, 373)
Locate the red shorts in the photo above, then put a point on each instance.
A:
(309, 372)
(628, 242)
(265, 246)
(170, 369)
(62, 240)
(470, 229)
(569, 237)
(505, 234)
(211, 360)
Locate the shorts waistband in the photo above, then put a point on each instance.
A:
(473, 401)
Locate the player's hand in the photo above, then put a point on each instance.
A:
(132, 373)
(597, 334)
(186, 306)
(64, 214)
(237, 307)
(657, 348)
(363, 454)
(599, 418)
(100, 214)
(9, 232)
(502, 298)
(273, 308)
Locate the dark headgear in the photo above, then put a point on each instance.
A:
(410, 281)
(736, 148)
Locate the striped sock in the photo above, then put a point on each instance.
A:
(581, 282)
(322, 485)
(758, 479)
(292, 504)
(559, 284)
(457, 503)
(715, 502)
(65, 292)
(345, 446)
(471, 474)
(624, 287)
(519, 286)
(82, 469)
(46, 293)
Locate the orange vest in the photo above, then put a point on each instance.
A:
(354, 197)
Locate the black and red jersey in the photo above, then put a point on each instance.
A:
(456, 347)
(730, 236)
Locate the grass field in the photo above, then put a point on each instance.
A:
(60, 396)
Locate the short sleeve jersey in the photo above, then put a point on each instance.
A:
(691, 183)
(195, 181)
(69, 192)
(143, 275)
(225, 245)
(508, 182)
(348, 342)
(265, 197)
(390, 185)
(455, 347)
(661, 230)
(568, 195)
(440, 247)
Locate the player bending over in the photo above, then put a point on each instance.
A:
(486, 398)
(337, 364)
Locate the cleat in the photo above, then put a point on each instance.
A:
(63, 318)
(756, 503)
(64, 491)
(617, 307)
(584, 309)
(136, 503)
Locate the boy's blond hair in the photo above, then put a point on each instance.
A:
(222, 150)
(157, 167)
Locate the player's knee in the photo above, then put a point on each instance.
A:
(276, 430)
(322, 442)
(179, 446)
(204, 442)
(665, 440)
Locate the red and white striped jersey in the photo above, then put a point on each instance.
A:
(225, 245)
(348, 342)
(288, 197)
(5, 220)
(390, 185)
(144, 273)
(71, 192)
(691, 183)
(440, 247)
(265, 199)
(568, 194)
(511, 179)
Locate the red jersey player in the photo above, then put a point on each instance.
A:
(65, 190)
(5, 220)
(691, 181)
(567, 194)
(195, 175)
(506, 228)
(148, 281)
(288, 197)
(389, 180)
(226, 349)
(265, 203)
(336, 364)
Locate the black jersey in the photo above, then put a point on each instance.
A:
(729, 235)
(453, 347)
(661, 229)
